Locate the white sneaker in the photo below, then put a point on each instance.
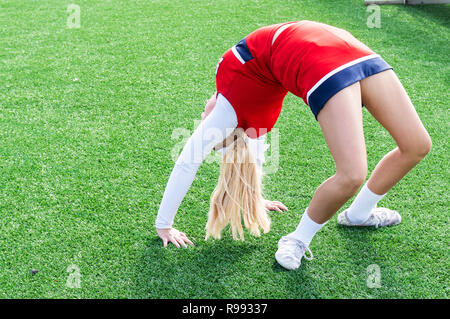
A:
(379, 217)
(290, 252)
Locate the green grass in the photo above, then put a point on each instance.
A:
(83, 164)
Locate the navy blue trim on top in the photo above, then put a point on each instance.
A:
(243, 50)
(344, 78)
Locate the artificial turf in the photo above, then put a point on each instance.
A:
(87, 117)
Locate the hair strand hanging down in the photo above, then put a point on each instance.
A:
(237, 195)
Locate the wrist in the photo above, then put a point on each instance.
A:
(162, 225)
(165, 228)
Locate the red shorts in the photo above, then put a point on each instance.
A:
(312, 60)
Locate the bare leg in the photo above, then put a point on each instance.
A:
(341, 123)
(386, 99)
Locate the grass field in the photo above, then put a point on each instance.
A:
(86, 119)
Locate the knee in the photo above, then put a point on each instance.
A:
(424, 147)
(352, 180)
(418, 149)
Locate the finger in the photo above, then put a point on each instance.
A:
(278, 203)
(281, 205)
(165, 242)
(186, 239)
(173, 241)
(181, 241)
(277, 209)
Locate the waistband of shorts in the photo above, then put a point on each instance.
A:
(281, 29)
(342, 77)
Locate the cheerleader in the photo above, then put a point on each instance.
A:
(335, 75)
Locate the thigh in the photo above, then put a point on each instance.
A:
(386, 99)
(341, 124)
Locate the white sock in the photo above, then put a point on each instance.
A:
(365, 201)
(306, 229)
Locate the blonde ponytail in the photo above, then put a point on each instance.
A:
(238, 190)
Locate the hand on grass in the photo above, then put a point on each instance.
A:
(174, 236)
(274, 205)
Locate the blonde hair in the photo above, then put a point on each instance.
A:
(238, 190)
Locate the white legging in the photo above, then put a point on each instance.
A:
(211, 131)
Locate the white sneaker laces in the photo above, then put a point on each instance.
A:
(380, 218)
(298, 248)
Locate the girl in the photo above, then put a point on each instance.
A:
(334, 74)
